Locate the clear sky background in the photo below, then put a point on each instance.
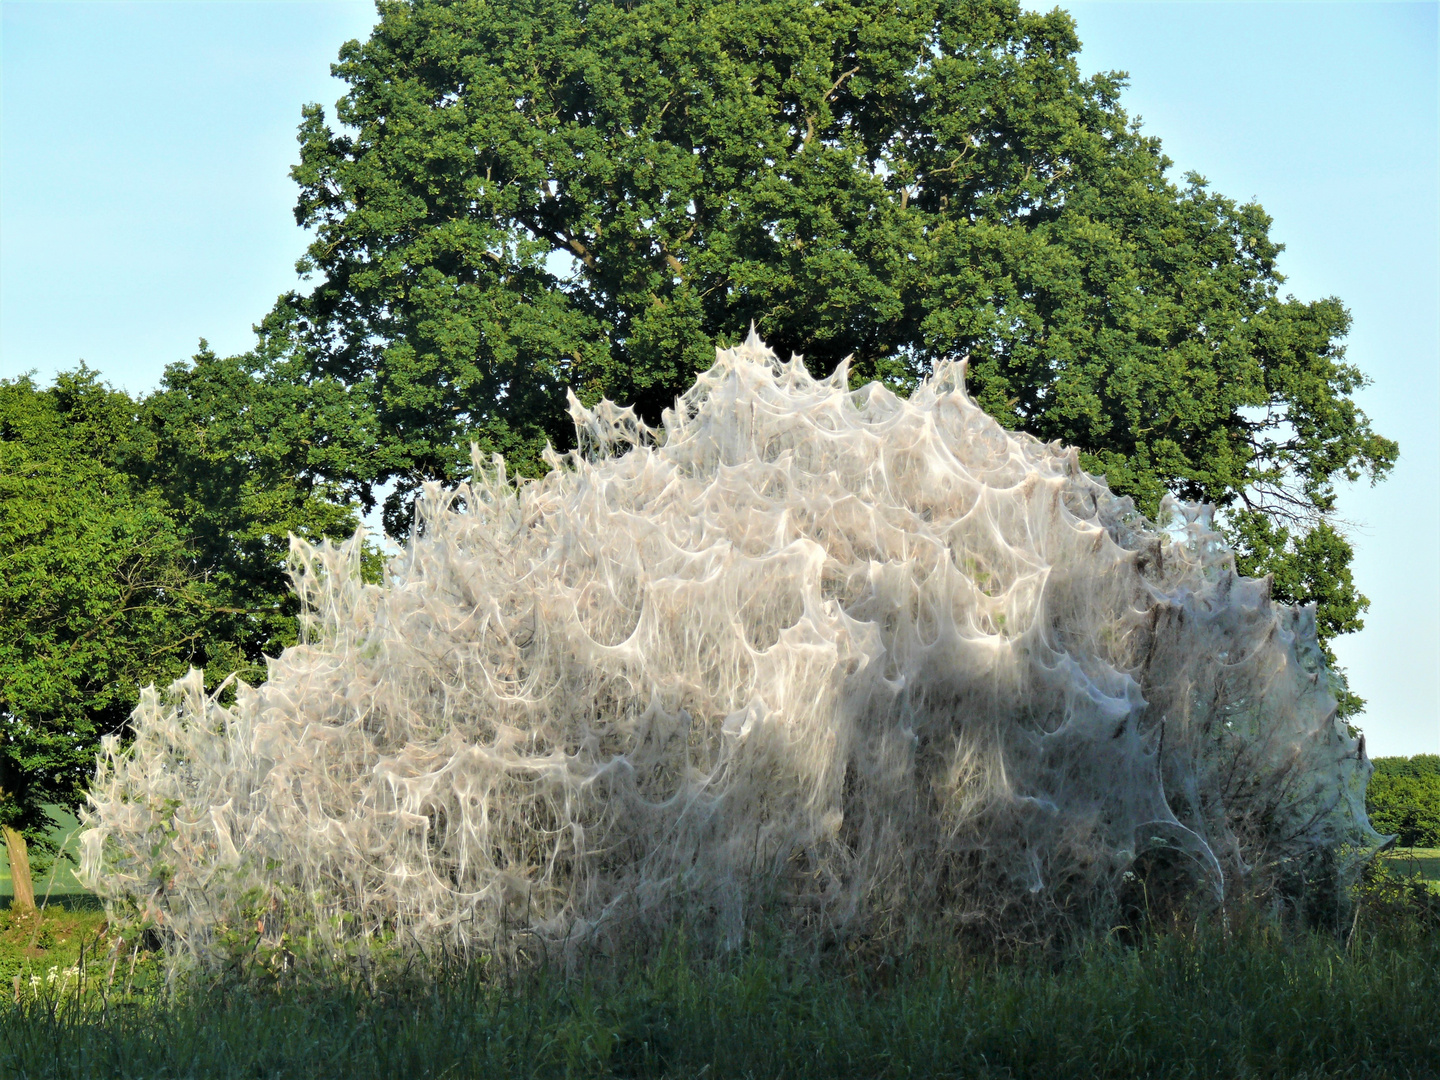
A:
(145, 203)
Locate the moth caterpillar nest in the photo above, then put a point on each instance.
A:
(827, 653)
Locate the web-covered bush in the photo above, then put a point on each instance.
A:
(838, 656)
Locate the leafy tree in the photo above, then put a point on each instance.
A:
(525, 195)
(138, 539)
(239, 448)
(1403, 798)
(96, 597)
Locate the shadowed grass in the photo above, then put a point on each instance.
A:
(1249, 1004)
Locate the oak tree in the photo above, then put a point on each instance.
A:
(520, 196)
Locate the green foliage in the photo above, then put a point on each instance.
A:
(32, 943)
(138, 539)
(525, 195)
(1403, 798)
(241, 449)
(97, 594)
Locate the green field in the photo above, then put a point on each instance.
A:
(1423, 863)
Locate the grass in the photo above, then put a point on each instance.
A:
(1423, 863)
(79, 1000)
(1251, 1003)
(32, 944)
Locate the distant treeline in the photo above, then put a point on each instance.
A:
(1404, 799)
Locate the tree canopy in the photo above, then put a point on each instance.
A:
(138, 539)
(95, 592)
(522, 196)
(1403, 798)
(239, 449)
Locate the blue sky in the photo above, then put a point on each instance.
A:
(145, 203)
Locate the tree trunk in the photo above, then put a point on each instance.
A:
(19, 871)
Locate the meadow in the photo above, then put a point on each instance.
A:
(1257, 1000)
(82, 998)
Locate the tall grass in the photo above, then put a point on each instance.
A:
(1250, 1003)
